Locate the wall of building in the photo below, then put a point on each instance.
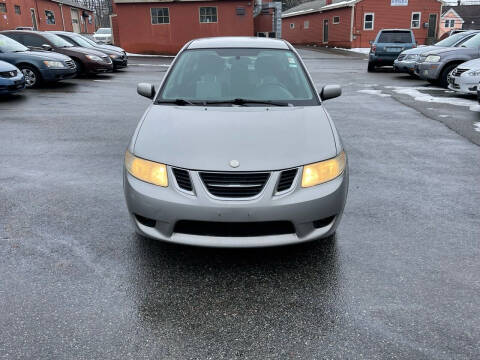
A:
(391, 17)
(263, 22)
(449, 16)
(134, 32)
(10, 20)
(338, 34)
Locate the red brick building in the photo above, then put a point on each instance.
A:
(353, 23)
(164, 26)
(46, 15)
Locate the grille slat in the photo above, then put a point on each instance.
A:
(234, 185)
(286, 179)
(183, 179)
(70, 64)
(8, 74)
(458, 72)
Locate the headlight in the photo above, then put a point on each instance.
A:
(433, 58)
(148, 171)
(323, 171)
(113, 56)
(473, 72)
(94, 58)
(54, 64)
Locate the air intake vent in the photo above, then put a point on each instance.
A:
(458, 72)
(286, 179)
(233, 184)
(183, 179)
(229, 229)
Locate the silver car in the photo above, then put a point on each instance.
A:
(236, 150)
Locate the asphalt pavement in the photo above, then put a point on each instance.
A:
(399, 281)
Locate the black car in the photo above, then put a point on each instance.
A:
(118, 55)
(87, 60)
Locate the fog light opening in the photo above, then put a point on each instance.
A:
(317, 224)
(145, 221)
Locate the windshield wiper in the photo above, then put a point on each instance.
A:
(240, 101)
(178, 102)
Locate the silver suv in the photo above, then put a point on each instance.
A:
(236, 150)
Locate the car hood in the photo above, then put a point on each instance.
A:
(86, 51)
(259, 138)
(43, 55)
(419, 50)
(110, 47)
(471, 65)
(444, 50)
(5, 66)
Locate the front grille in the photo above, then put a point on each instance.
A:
(234, 184)
(286, 179)
(401, 57)
(458, 72)
(234, 229)
(70, 64)
(183, 179)
(107, 59)
(8, 74)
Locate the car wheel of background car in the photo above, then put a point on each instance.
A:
(443, 80)
(371, 67)
(79, 66)
(32, 76)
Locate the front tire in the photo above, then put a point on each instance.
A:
(79, 65)
(32, 76)
(443, 80)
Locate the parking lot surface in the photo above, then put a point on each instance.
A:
(401, 279)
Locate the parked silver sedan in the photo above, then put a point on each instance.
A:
(236, 150)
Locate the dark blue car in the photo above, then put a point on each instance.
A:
(36, 66)
(11, 79)
(388, 44)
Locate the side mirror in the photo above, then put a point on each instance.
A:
(145, 89)
(371, 42)
(330, 92)
(46, 47)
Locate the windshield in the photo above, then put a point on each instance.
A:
(473, 42)
(80, 40)
(57, 41)
(91, 42)
(104, 31)
(395, 37)
(10, 45)
(210, 75)
(452, 40)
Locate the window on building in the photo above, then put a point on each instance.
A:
(368, 21)
(416, 16)
(336, 19)
(306, 24)
(3, 8)
(18, 11)
(49, 17)
(160, 16)
(292, 26)
(208, 14)
(450, 23)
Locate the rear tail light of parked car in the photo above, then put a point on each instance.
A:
(373, 49)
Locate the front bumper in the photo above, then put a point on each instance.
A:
(404, 66)
(120, 63)
(51, 75)
(302, 207)
(94, 67)
(464, 84)
(428, 71)
(12, 85)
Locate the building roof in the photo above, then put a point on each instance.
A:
(317, 6)
(238, 42)
(469, 13)
(72, 3)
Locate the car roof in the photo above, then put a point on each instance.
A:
(238, 42)
(404, 30)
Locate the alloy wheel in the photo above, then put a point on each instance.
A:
(30, 77)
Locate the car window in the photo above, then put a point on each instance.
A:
(57, 41)
(473, 42)
(78, 40)
(32, 40)
(395, 37)
(226, 74)
(452, 40)
(104, 31)
(9, 45)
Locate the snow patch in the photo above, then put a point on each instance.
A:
(476, 126)
(364, 51)
(374, 92)
(150, 56)
(419, 96)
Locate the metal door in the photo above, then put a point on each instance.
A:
(34, 19)
(325, 31)
(432, 26)
(75, 20)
